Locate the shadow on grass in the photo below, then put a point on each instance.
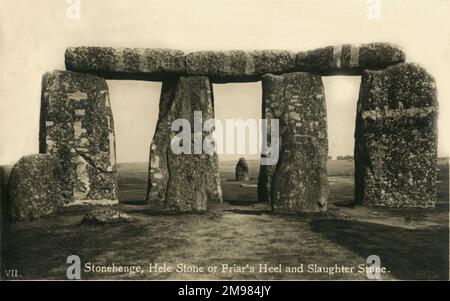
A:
(407, 254)
(41, 252)
(156, 212)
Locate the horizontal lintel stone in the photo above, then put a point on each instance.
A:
(348, 59)
(239, 65)
(232, 65)
(126, 63)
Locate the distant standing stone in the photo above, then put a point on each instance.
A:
(33, 187)
(242, 170)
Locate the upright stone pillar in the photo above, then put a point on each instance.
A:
(77, 127)
(158, 174)
(396, 138)
(298, 181)
(184, 182)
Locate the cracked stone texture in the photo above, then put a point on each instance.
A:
(126, 63)
(238, 65)
(396, 138)
(34, 188)
(77, 126)
(182, 182)
(242, 171)
(349, 59)
(298, 181)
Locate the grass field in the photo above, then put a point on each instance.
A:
(240, 233)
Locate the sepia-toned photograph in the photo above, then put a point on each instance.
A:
(224, 140)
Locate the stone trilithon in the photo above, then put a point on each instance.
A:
(395, 135)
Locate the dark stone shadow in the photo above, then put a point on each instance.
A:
(155, 212)
(134, 202)
(346, 204)
(407, 254)
(241, 202)
(248, 212)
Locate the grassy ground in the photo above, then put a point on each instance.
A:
(412, 243)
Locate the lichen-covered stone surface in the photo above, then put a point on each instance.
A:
(396, 138)
(126, 63)
(242, 171)
(349, 59)
(298, 182)
(106, 216)
(34, 188)
(183, 182)
(239, 65)
(77, 127)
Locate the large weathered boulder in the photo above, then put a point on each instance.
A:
(183, 182)
(396, 138)
(34, 187)
(126, 63)
(77, 127)
(298, 181)
(349, 59)
(239, 65)
(106, 216)
(242, 171)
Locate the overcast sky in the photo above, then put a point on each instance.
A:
(35, 34)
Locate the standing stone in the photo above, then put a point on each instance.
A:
(183, 182)
(34, 187)
(77, 126)
(158, 174)
(242, 171)
(298, 181)
(396, 138)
